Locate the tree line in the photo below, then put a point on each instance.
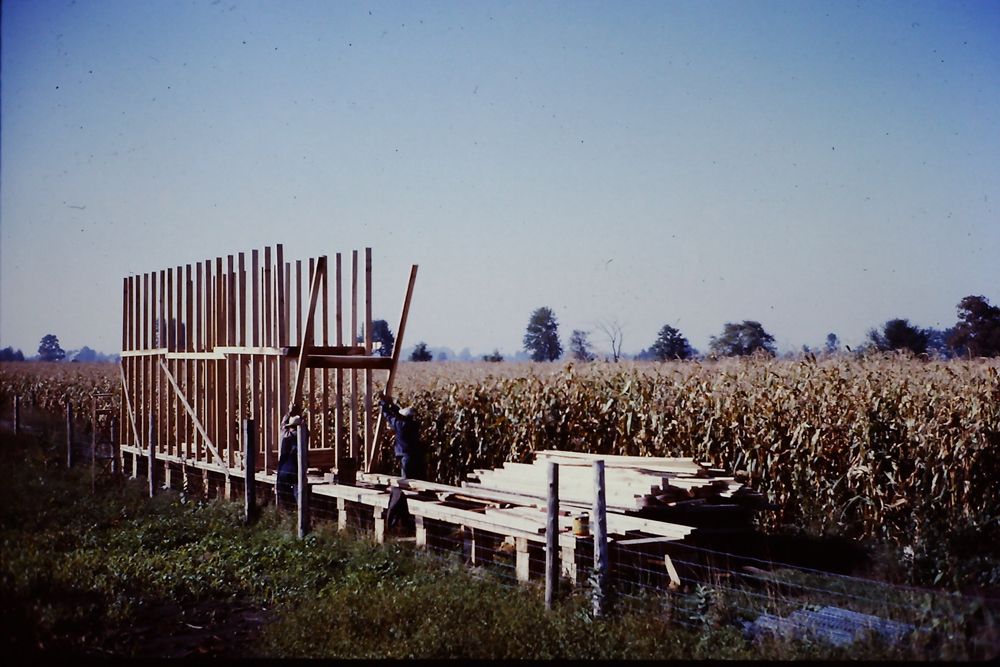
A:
(976, 334)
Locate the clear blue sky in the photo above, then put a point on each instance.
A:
(815, 166)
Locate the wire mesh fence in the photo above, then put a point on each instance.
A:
(698, 587)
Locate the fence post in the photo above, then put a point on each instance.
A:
(249, 470)
(152, 455)
(303, 486)
(116, 462)
(552, 536)
(69, 435)
(17, 414)
(600, 593)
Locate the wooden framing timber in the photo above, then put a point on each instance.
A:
(210, 344)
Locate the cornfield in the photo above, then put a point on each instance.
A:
(882, 448)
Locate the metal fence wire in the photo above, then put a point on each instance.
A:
(699, 587)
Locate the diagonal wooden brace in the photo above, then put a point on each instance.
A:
(392, 371)
(194, 418)
(307, 338)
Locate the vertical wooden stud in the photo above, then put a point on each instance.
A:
(338, 415)
(369, 341)
(354, 342)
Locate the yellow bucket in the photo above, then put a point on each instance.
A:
(581, 525)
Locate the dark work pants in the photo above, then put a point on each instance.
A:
(414, 466)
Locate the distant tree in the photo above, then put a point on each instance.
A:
(742, 339)
(613, 332)
(832, 343)
(85, 354)
(443, 356)
(670, 344)
(542, 336)
(978, 330)
(382, 334)
(420, 353)
(49, 350)
(937, 342)
(10, 354)
(899, 334)
(579, 347)
(494, 357)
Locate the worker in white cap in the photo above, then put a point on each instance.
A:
(409, 449)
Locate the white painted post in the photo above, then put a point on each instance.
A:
(600, 541)
(303, 500)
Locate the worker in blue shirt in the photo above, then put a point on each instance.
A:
(409, 450)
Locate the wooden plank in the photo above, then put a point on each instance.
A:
(161, 395)
(190, 386)
(338, 415)
(281, 315)
(310, 323)
(267, 427)
(397, 350)
(369, 340)
(354, 338)
(232, 414)
(298, 301)
(679, 464)
(198, 397)
(324, 350)
(242, 326)
(325, 421)
(355, 363)
(255, 296)
(256, 375)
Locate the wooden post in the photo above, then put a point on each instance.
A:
(303, 499)
(17, 414)
(352, 343)
(116, 450)
(152, 455)
(69, 435)
(369, 340)
(552, 536)
(249, 470)
(600, 518)
(338, 417)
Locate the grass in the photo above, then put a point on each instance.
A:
(79, 572)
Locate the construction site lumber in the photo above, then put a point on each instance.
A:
(634, 483)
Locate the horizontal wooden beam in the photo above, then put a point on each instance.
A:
(343, 361)
(325, 350)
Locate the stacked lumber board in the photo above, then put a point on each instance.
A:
(632, 483)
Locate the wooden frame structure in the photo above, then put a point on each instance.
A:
(209, 345)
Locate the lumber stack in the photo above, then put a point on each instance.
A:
(633, 484)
